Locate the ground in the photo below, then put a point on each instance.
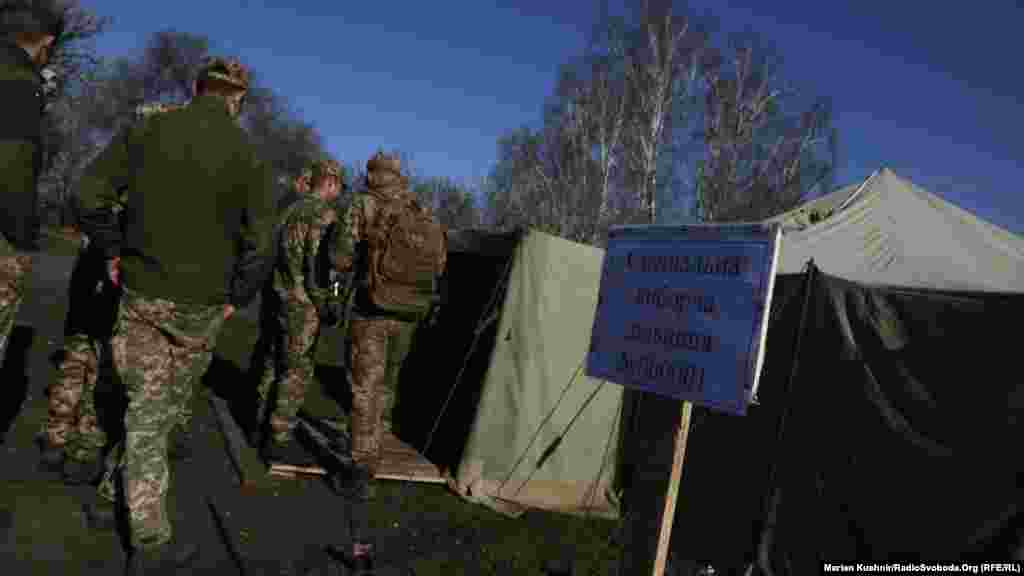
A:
(277, 527)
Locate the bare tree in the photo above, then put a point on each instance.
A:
(665, 49)
(74, 54)
(453, 205)
(608, 100)
(169, 63)
(75, 62)
(759, 160)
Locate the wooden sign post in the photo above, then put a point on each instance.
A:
(681, 319)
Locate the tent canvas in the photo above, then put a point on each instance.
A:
(531, 298)
(887, 231)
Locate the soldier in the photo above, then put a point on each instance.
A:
(291, 311)
(72, 438)
(28, 33)
(192, 240)
(397, 241)
(401, 253)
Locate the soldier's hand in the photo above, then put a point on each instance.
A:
(229, 310)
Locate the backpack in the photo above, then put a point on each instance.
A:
(407, 250)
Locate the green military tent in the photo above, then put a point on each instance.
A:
(501, 377)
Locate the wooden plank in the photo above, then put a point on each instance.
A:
(277, 468)
(419, 479)
(668, 514)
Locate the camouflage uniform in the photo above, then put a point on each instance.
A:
(292, 307)
(21, 85)
(380, 340)
(195, 166)
(72, 422)
(160, 348)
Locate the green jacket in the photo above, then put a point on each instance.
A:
(198, 210)
(21, 106)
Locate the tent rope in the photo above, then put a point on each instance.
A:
(558, 441)
(489, 316)
(536, 432)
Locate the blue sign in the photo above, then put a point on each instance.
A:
(683, 311)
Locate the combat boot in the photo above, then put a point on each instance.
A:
(82, 472)
(101, 515)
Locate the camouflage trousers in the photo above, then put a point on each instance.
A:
(379, 346)
(14, 271)
(72, 421)
(159, 349)
(287, 366)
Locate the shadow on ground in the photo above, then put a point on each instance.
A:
(14, 375)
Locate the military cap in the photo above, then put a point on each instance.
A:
(381, 162)
(32, 17)
(227, 70)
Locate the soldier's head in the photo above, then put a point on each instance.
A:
(34, 25)
(225, 78)
(384, 170)
(327, 178)
(301, 183)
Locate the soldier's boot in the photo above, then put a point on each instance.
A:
(82, 472)
(174, 557)
(101, 514)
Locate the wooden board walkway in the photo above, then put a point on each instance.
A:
(399, 461)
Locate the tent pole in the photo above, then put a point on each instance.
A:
(771, 504)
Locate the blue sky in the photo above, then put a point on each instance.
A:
(929, 89)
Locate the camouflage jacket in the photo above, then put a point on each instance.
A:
(198, 206)
(304, 226)
(21, 115)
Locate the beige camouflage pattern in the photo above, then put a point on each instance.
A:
(228, 70)
(379, 347)
(72, 422)
(159, 349)
(292, 316)
(14, 270)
